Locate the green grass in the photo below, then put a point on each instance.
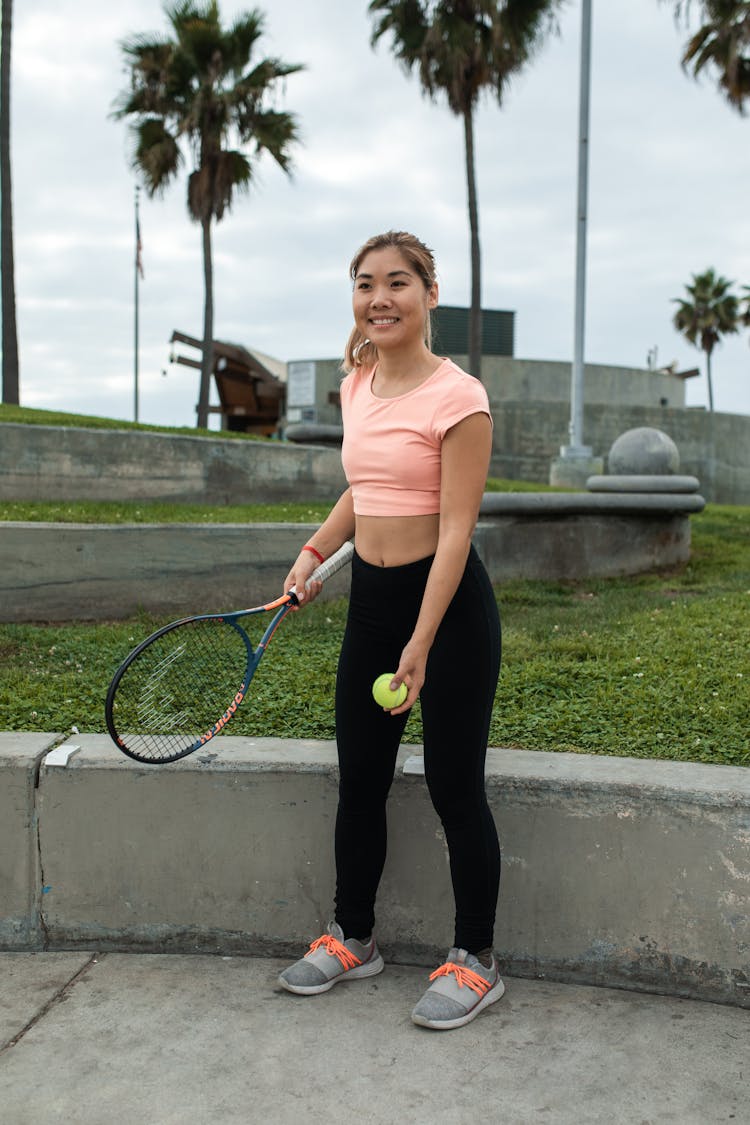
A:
(656, 666)
(134, 511)
(137, 511)
(33, 417)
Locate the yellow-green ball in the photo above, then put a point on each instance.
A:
(382, 694)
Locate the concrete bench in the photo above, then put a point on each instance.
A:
(617, 871)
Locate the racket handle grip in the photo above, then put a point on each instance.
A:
(330, 566)
(337, 560)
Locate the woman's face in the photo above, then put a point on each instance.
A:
(390, 301)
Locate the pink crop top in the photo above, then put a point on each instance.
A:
(391, 448)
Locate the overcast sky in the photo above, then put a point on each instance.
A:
(668, 188)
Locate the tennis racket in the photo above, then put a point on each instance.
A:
(181, 686)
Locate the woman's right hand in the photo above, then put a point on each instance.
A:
(337, 528)
(297, 577)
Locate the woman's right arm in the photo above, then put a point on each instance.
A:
(332, 534)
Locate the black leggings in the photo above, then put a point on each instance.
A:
(465, 659)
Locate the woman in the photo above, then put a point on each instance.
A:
(416, 451)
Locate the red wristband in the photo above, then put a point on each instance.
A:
(312, 551)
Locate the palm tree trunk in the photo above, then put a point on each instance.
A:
(475, 312)
(7, 281)
(208, 325)
(710, 382)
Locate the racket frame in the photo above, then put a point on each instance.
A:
(283, 606)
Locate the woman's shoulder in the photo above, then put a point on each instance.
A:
(357, 375)
(453, 378)
(353, 382)
(456, 395)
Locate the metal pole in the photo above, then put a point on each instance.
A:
(576, 447)
(136, 270)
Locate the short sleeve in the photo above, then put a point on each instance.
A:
(465, 397)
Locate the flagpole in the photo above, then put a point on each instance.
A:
(136, 273)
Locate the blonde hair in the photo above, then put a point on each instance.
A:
(359, 351)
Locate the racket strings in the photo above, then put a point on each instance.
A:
(180, 687)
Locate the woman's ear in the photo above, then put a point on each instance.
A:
(432, 296)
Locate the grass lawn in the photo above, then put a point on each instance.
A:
(655, 666)
(30, 416)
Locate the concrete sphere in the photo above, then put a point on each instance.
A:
(643, 451)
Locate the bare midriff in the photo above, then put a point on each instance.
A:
(396, 540)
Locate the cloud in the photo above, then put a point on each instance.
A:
(668, 172)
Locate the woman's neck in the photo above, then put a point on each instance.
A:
(407, 365)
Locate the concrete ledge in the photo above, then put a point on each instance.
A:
(64, 572)
(20, 880)
(642, 483)
(617, 872)
(68, 572)
(316, 433)
(585, 503)
(546, 544)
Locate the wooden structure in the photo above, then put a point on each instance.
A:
(251, 398)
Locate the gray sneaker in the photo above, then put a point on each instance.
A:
(329, 960)
(460, 989)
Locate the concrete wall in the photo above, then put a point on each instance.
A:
(61, 463)
(56, 463)
(616, 872)
(538, 380)
(20, 875)
(64, 572)
(714, 448)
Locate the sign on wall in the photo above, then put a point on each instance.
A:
(300, 386)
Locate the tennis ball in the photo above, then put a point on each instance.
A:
(382, 694)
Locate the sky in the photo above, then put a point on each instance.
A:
(668, 174)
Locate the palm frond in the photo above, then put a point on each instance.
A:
(407, 21)
(264, 74)
(722, 44)
(275, 133)
(211, 187)
(241, 39)
(157, 154)
(745, 300)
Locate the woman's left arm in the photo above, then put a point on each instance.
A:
(465, 459)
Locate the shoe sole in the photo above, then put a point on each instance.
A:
(369, 969)
(447, 1025)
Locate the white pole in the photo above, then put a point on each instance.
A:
(576, 447)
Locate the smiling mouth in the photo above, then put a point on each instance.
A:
(383, 320)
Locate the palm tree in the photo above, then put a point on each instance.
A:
(462, 48)
(7, 284)
(203, 92)
(710, 313)
(723, 43)
(745, 313)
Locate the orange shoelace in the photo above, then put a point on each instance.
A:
(463, 976)
(334, 948)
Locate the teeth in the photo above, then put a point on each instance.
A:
(385, 320)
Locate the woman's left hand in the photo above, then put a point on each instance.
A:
(411, 672)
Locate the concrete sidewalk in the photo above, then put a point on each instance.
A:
(125, 1039)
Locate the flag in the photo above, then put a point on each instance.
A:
(138, 247)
